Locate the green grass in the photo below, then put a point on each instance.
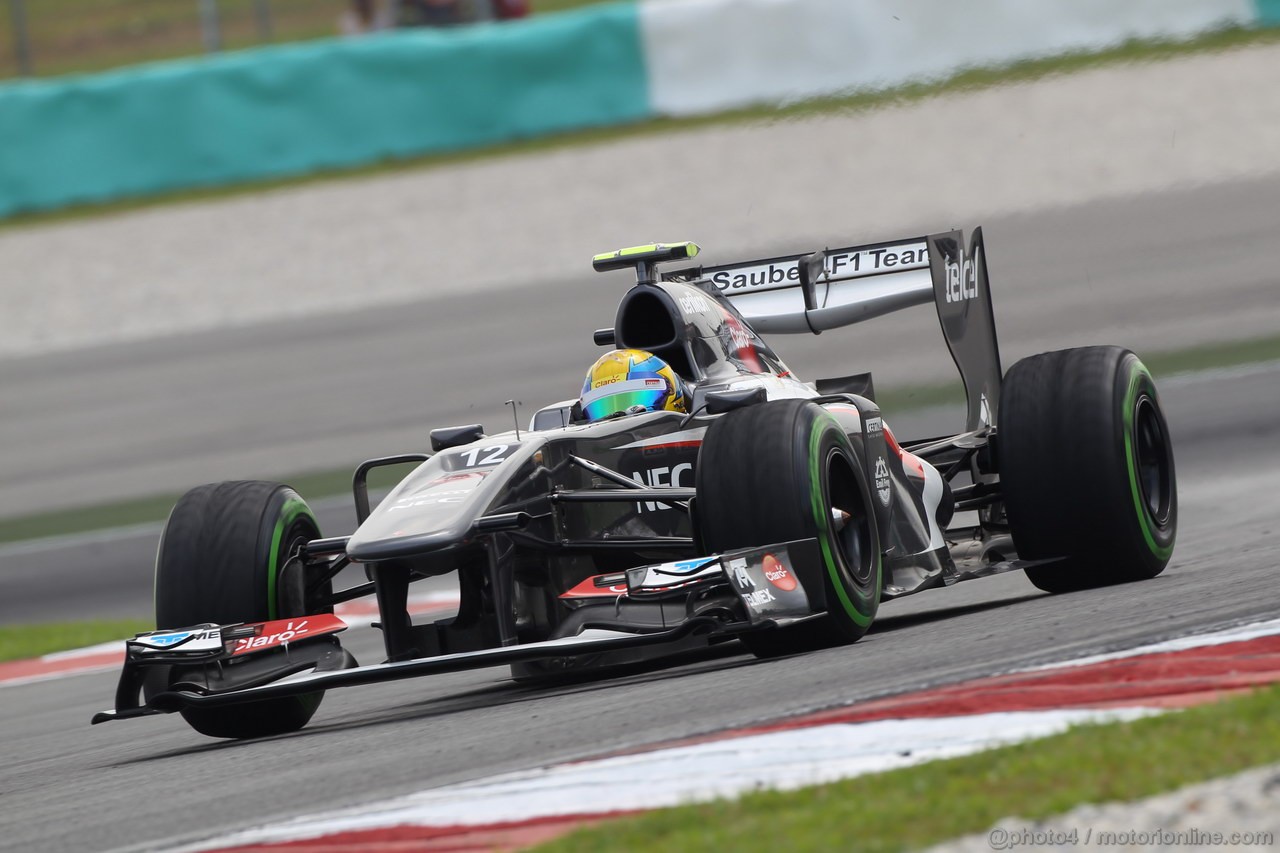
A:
(18, 642)
(924, 805)
(1134, 51)
(321, 484)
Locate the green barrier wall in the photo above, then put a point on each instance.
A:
(1268, 12)
(294, 109)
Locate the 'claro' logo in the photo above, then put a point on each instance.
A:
(778, 574)
(280, 635)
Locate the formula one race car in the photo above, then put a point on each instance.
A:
(722, 499)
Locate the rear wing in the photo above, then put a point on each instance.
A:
(838, 287)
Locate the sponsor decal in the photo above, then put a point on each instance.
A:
(664, 477)
(435, 496)
(681, 566)
(962, 283)
(431, 494)
(166, 640)
(692, 303)
(738, 571)
(676, 575)
(777, 574)
(784, 272)
(458, 477)
(739, 345)
(759, 597)
(882, 480)
(203, 640)
(874, 425)
(282, 632)
(740, 338)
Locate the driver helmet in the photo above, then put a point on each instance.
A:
(631, 381)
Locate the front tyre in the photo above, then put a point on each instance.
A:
(224, 557)
(775, 472)
(1086, 468)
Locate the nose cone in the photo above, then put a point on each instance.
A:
(431, 509)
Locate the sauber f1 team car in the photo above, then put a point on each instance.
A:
(763, 508)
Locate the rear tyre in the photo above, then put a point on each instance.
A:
(224, 558)
(1086, 467)
(772, 473)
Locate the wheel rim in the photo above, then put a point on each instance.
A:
(1155, 482)
(853, 538)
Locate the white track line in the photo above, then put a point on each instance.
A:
(1234, 634)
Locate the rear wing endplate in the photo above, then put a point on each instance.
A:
(838, 287)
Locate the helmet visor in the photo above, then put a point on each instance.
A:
(609, 400)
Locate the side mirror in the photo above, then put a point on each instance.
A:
(446, 437)
(719, 402)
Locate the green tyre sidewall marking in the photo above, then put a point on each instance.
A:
(822, 517)
(1138, 373)
(294, 508)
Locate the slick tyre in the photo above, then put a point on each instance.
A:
(1086, 467)
(224, 558)
(773, 472)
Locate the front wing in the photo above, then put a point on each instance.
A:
(777, 586)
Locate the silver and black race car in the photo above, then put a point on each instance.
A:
(775, 512)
